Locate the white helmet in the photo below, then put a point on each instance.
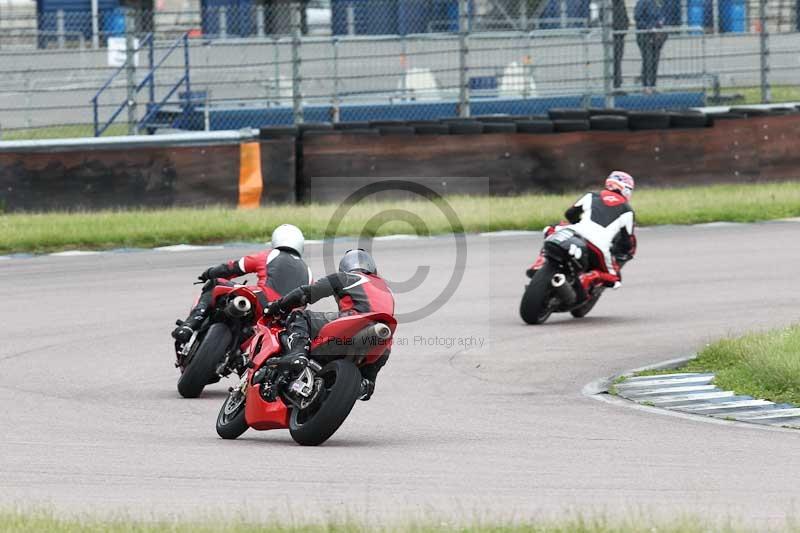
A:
(288, 237)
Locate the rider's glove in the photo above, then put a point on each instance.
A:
(206, 275)
(295, 298)
(275, 308)
(367, 388)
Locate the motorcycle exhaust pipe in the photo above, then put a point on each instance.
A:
(238, 307)
(382, 331)
(563, 290)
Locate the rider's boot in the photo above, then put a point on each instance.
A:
(186, 328)
(296, 358)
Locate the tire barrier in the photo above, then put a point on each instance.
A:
(608, 123)
(660, 149)
(318, 161)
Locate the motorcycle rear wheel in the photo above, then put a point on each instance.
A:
(201, 368)
(583, 310)
(230, 420)
(315, 424)
(533, 309)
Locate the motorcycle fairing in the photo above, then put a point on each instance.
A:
(342, 330)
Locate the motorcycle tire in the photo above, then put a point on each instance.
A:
(583, 310)
(201, 368)
(230, 420)
(315, 424)
(533, 308)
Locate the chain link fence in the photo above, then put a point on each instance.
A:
(230, 66)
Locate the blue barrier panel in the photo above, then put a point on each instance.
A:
(254, 117)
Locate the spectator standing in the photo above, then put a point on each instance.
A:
(649, 18)
(620, 24)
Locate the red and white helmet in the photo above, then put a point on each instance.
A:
(620, 182)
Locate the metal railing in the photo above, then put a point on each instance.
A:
(255, 66)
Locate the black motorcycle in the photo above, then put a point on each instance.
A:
(562, 279)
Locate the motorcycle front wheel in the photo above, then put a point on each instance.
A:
(341, 386)
(230, 421)
(534, 309)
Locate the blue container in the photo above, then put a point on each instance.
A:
(671, 11)
(239, 17)
(575, 9)
(114, 22)
(414, 16)
(698, 13)
(77, 18)
(483, 83)
(732, 16)
(578, 9)
(370, 17)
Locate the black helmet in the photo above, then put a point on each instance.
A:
(357, 259)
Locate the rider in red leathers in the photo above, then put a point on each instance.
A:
(280, 269)
(357, 288)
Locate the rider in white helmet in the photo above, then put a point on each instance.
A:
(606, 220)
(280, 269)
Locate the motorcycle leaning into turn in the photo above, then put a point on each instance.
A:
(313, 402)
(216, 348)
(564, 278)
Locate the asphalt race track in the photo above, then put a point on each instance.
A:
(91, 420)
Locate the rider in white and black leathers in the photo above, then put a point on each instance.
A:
(606, 221)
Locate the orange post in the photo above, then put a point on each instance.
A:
(251, 182)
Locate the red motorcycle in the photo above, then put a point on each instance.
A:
(562, 278)
(313, 404)
(217, 347)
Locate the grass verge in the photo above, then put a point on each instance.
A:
(18, 522)
(47, 232)
(779, 93)
(762, 365)
(67, 131)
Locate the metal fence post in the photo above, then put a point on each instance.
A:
(60, 28)
(463, 58)
(95, 25)
(297, 97)
(587, 90)
(260, 20)
(276, 57)
(130, 70)
(608, 52)
(766, 91)
(351, 19)
(223, 22)
(28, 100)
(336, 102)
(715, 15)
